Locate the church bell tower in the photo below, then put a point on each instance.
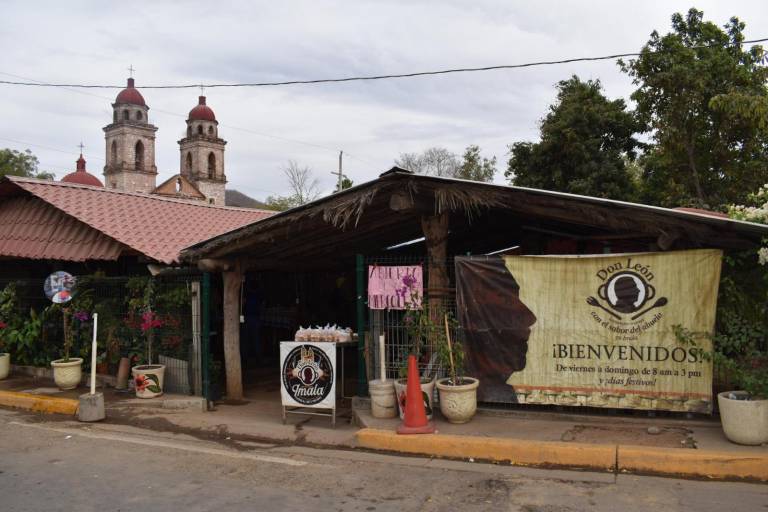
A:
(202, 153)
(130, 148)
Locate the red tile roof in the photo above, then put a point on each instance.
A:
(157, 227)
(30, 228)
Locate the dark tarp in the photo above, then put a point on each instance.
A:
(495, 322)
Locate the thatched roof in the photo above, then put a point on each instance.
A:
(368, 218)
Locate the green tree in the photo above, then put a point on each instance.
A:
(345, 184)
(435, 161)
(280, 203)
(703, 99)
(476, 168)
(586, 142)
(16, 163)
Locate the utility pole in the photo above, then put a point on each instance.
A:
(340, 174)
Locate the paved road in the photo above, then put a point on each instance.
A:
(62, 465)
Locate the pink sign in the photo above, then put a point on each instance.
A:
(395, 287)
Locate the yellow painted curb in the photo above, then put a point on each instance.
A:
(515, 451)
(693, 463)
(39, 403)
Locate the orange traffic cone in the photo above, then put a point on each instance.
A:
(415, 420)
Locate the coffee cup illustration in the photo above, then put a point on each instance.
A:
(626, 292)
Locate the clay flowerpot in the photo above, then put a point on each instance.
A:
(5, 364)
(67, 374)
(458, 403)
(148, 380)
(427, 393)
(744, 421)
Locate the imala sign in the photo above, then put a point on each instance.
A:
(308, 374)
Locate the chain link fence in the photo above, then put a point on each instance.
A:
(396, 325)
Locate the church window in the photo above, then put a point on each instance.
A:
(189, 163)
(189, 131)
(178, 185)
(114, 152)
(139, 155)
(126, 115)
(114, 116)
(210, 200)
(210, 131)
(138, 115)
(211, 165)
(199, 129)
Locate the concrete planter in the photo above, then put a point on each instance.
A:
(148, 380)
(744, 421)
(5, 364)
(458, 403)
(67, 374)
(427, 392)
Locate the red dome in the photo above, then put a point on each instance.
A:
(202, 112)
(130, 95)
(81, 176)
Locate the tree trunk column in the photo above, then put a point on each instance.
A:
(232, 282)
(436, 239)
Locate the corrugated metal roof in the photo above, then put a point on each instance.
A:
(155, 226)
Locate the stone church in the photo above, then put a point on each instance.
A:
(130, 153)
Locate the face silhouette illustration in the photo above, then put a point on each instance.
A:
(496, 324)
(627, 294)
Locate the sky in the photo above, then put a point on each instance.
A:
(169, 42)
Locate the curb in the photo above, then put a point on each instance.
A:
(693, 463)
(195, 404)
(39, 403)
(517, 452)
(679, 463)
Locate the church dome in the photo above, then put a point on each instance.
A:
(202, 112)
(130, 95)
(81, 176)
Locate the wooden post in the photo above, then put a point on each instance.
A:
(232, 281)
(436, 234)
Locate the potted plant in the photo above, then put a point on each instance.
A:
(148, 378)
(739, 350)
(5, 357)
(421, 329)
(457, 392)
(8, 318)
(68, 371)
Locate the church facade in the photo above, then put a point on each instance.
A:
(130, 152)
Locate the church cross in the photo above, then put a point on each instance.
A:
(131, 70)
(202, 90)
(81, 147)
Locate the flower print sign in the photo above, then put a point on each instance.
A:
(397, 287)
(59, 286)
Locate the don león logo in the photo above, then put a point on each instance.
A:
(307, 375)
(625, 292)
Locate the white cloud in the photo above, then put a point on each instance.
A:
(173, 42)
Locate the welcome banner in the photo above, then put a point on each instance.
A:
(592, 331)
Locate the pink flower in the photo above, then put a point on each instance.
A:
(141, 382)
(149, 321)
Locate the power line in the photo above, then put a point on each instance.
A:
(366, 78)
(183, 116)
(58, 150)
